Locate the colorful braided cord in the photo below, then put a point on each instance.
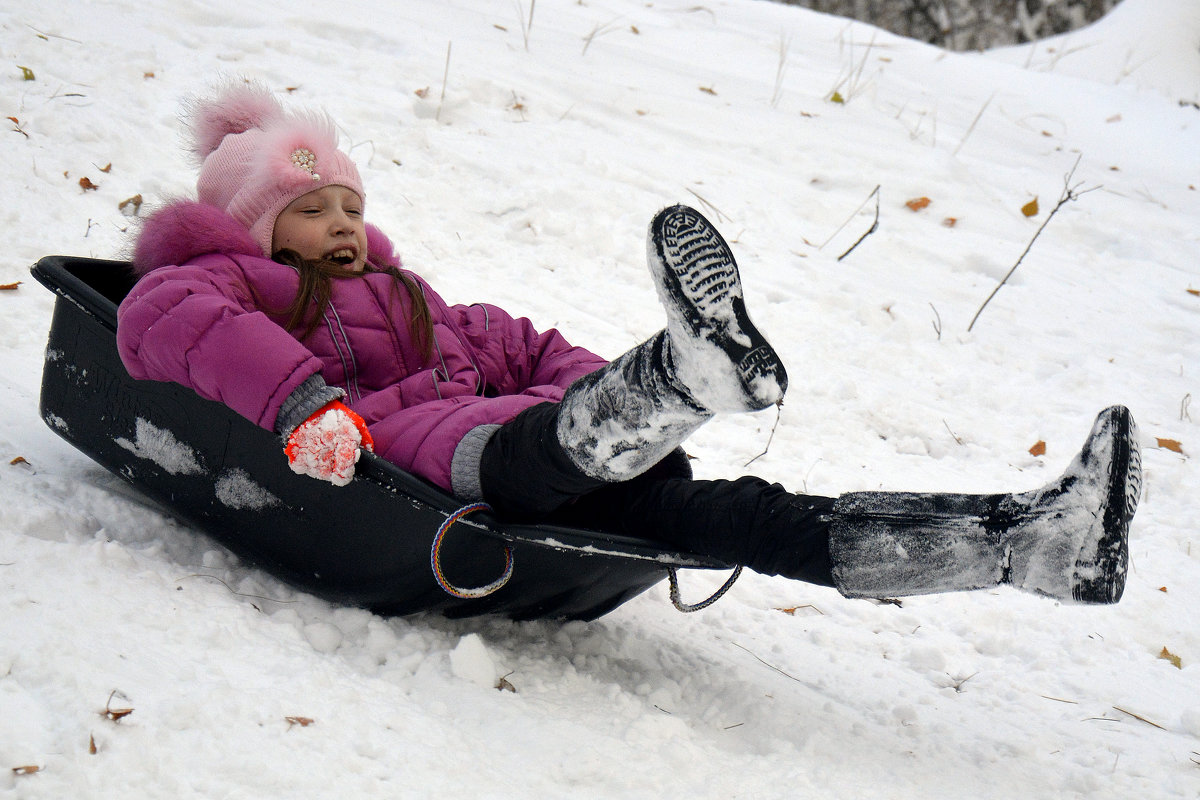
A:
(435, 559)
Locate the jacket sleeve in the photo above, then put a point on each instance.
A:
(196, 325)
(517, 358)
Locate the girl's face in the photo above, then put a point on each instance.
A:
(325, 223)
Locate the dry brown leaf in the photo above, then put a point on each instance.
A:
(29, 770)
(107, 168)
(504, 685)
(708, 90)
(422, 93)
(86, 184)
(92, 745)
(1030, 209)
(950, 222)
(18, 460)
(8, 287)
(303, 722)
(1194, 291)
(1170, 444)
(117, 714)
(147, 75)
(1038, 449)
(130, 205)
(791, 610)
(1162, 589)
(918, 203)
(1175, 660)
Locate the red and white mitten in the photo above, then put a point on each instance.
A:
(328, 443)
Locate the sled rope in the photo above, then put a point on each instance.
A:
(673, 578)
(435, 559)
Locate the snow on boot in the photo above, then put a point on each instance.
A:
(1081, 520)
(1068, 539)
(718, 354)
(619, 421)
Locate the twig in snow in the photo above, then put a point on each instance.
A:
(765, 664)
(785, 45)
(853, 214)
(599, 30)
(43, 35)
(445, 77)
(804, 481)
(1069, 193)
(974, 122)
(232, 590)
(954, 435)
(874, 226)
(1060, 700)
(720, 216)
(937, 322)
(957, 683)
(1183, 407)
(526, 26)
(771, 438)
(850, 85)
(1139, 717)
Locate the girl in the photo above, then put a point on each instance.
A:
(272, 295)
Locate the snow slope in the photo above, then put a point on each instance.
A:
(520, 164)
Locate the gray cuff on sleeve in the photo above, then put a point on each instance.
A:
(464, 467)
(302, 402)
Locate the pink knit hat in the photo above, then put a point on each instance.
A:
(256, 157)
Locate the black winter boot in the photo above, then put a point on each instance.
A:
(618, 421)
(1067, 540)
(719, 355)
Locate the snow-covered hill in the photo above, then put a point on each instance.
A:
(518, 161)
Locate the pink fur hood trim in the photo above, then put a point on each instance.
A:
(186, 229)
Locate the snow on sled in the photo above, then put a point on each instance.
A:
(367, 544)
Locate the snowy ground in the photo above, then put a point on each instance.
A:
(524, 174)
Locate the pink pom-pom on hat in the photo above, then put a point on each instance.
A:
(256, 157)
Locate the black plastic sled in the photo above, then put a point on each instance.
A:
(366, 544)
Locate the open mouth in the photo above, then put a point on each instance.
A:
(343, 256)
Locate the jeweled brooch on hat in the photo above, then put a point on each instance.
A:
(306, 160)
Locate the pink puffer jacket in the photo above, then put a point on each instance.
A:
(206, 314)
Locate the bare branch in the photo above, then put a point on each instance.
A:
(872, 229)
(1069, 193)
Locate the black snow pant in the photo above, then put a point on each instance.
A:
(525, 474)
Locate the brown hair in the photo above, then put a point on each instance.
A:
(316, 287)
